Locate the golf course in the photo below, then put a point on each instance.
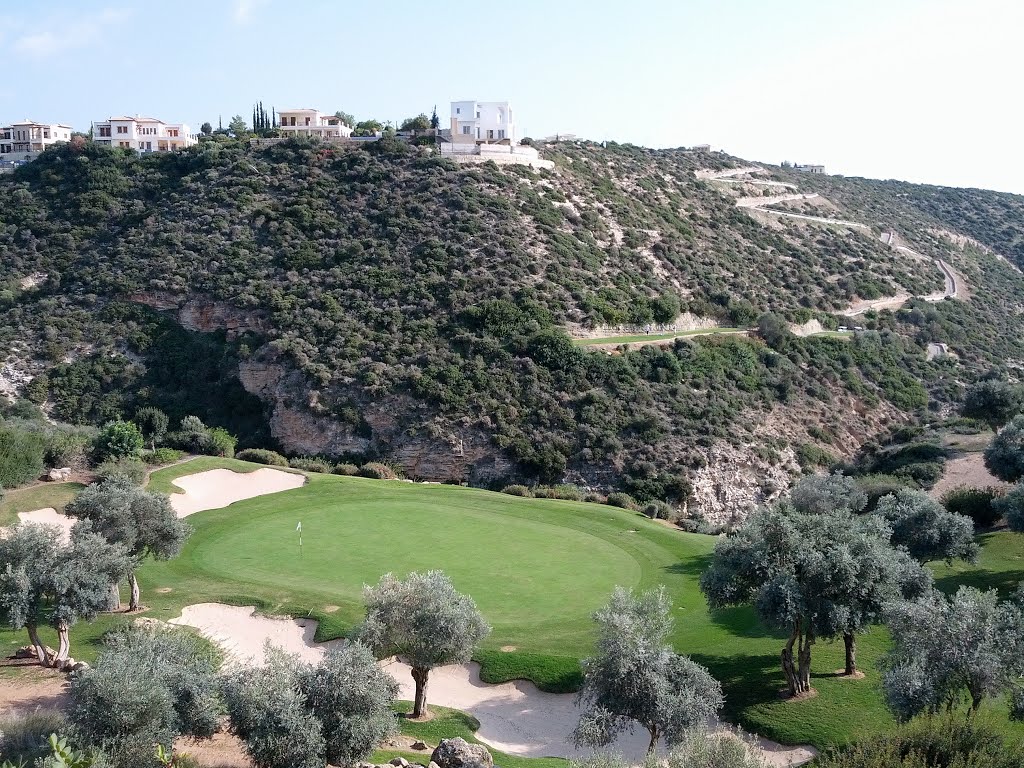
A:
(536, 568)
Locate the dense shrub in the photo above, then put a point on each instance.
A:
(377, 471)
(517, 490)
(118, 440)
(162, 456)
(310, 464)
(262, 456)
(659, 510)
(345, 469)
(130, 470)
(623, 500)
(975, 503)
(565, 492)
(930, 742)
(220, 442)
(21, 456)
(877, 486)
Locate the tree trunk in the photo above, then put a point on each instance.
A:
(805, 661)
(41, 654)
(850, 641)
(136, 592)
(114, 601)
(63, 646)
(419, 707)
(798, 671)
(788, 668)
(654, 741)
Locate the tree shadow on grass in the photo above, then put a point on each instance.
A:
(747, 679)
(1004, 582)
(693, 566)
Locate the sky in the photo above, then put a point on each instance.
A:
(921, 90)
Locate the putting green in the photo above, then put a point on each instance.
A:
(528, 576)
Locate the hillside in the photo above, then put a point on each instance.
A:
(379, 302)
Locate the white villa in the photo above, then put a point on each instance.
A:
(143, 134)
(483, 121)
(25, 140)
(809, 168)
(311, 122)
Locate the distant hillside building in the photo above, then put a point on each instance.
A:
(143, 134)
(483, 121)
(25, 140)
(809, 168)
(700, 148)
(311, 122)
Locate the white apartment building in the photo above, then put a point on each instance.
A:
(809, 168)
(311, 122)
(143, 134)
(483, 121)
(25, 140)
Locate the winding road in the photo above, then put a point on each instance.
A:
(951, 290)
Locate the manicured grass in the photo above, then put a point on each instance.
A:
(162, 480)
(55, 495)
(536, 567)
(653, 336)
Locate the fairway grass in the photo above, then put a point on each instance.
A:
(536, 567)
(54, 495)
(655, 336)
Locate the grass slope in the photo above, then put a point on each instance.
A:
(55, 495)
(537, 568)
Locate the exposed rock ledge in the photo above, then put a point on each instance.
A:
(199, 313)
(466, 456)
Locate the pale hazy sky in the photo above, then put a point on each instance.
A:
(923, 90)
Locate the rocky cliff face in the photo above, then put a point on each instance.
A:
(299, 422)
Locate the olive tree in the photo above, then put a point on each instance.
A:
(828, 494)
(424, 621)
(811, 575)
(992, 401)
(153, 424)
(149, 685)
(926, 529)
(636, 677)
(141, 521)
(944, 648)
(1011, 506)
(293, 714)
(1004, 456)
(44, 581)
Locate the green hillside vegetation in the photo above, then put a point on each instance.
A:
(403, 287)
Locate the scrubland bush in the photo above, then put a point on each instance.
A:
(377, 471)
(345, 469)
(310, 464)
(262, 456)
(130, 470)
(621, 499)
(162, 456)
(975, 503)
(518, 490)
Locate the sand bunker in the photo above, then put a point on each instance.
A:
(514, 717)
(218, 488)
(49, 516)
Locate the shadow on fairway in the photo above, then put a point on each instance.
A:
(693, 566)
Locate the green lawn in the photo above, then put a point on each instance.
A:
(537, 568)
(55, 495)
(653, 336)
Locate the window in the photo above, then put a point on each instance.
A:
(104, 130)
(458, 110)
(124, 144)
(501, 134)
(490, 133)
(172, 132)
(149, 146)
(478, 114)
(307, 121)
(465, 129)
(122, 129)
(293, 121)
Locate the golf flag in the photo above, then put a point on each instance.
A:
(299, 527)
